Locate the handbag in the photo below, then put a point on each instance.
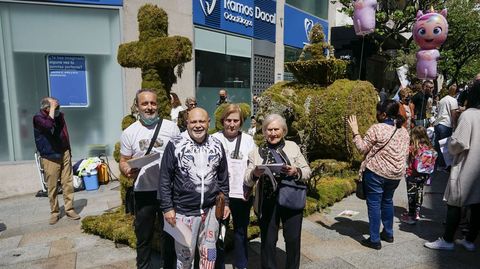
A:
(130, 191)
(360, 188)
(292, 194)
(220, 206)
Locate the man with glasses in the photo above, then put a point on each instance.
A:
(191, 103)
(420, 100)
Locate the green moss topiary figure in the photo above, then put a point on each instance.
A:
(156, 54)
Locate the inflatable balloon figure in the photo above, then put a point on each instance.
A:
(429, 32)
(364, 16)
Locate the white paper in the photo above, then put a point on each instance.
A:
(444, 149)
(348, 213)
(181, 232)
(236, 169)
(143, 161)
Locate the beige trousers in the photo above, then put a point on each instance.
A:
(59, 169)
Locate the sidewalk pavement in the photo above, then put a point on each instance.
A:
(328, 240)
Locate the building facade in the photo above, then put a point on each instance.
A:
(68, 48)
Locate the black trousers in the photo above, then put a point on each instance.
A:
(272, 213)
(146, 211)
(454, 214)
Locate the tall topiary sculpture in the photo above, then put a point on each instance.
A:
(157, 55)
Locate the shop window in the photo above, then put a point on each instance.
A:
(31, 33)
(317, 8)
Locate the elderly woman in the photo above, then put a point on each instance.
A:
(278, 160)
(463, 186)
(237, 145)
(385, 146)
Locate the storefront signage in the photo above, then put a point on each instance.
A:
(298, 25)
(91, 2)
(254, 18)
(67, 80)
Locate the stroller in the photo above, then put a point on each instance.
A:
(43, 192)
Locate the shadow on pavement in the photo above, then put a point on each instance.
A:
(355, 229)
(3, 227)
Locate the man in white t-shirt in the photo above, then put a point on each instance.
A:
(446, 120)
(135, 142)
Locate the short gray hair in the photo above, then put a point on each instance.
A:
(45, 103)
(188, 99)
(274, 117)
(142, 91)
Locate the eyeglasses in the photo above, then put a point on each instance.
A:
(192, 104)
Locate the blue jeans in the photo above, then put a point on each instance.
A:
(379, 192)
(441, 132)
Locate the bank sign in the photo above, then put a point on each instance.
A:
(298, 25)
(255, 18)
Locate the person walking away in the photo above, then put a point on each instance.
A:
(139, 140)
(237, 146)
(445, 122)
(463, 185)
(53, 144)
(421, 161)
(288, 166)
(385, 146)
(194, 173)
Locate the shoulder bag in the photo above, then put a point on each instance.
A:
(292, 194)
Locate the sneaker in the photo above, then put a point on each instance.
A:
(417, 216)
(385, 237)
(440, 244)
(53, 219)
(467, 245)
(370, 244)
(405, 218)
(73, 215)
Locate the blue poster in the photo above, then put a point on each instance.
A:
(298, 25)
(67, 80)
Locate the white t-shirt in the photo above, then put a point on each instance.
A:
(174, 113)
(445, 107)
(135, 141)
(236, 177)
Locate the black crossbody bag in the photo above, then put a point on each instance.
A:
(130, 193)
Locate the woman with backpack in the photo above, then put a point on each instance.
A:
(421, 162)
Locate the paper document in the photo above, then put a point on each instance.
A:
(273, 167)
(181, 232)
(144, 160)
(444, 149)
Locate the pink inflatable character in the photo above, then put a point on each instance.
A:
(364, 16)
(429, 32)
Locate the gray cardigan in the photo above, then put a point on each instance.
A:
(463, 187)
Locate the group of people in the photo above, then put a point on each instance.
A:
(195, 171)
(399, 147)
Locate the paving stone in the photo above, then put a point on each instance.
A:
(10, 242)
(331, 248)
(66, 261)
(24, 254)
(61, 247)
(117, 265)
(103, 254)
(334, 263)
(49, 235)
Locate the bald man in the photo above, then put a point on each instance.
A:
(195, 172)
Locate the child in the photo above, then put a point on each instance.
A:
(421, 163)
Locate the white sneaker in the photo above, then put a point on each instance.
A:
(440, 244)
(467, 245)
